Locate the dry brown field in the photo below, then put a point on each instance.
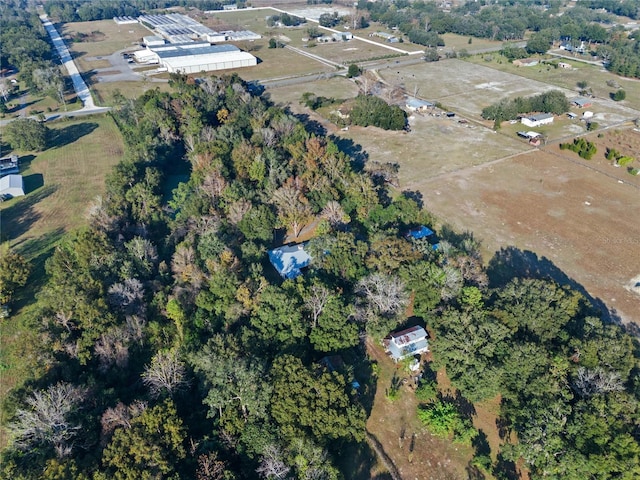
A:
(474, 87)
(573, 218)
(595, 76)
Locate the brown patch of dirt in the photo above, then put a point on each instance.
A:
(571, 219)
(415, 453)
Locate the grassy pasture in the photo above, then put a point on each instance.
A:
(60, 183)
(103, 91)
(353, 51)
(458, 42)
(62, 180)
(477, 86)
(112, 37)
(254, 20)
(596, 77)
(279, 63)
(334, 87)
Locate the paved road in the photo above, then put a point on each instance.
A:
(81, 88)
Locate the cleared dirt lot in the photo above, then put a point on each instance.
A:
(566, 213)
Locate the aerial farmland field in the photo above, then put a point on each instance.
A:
(568, 215)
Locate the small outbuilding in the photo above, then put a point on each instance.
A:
(289, 260)
(526, 62)
(11, 185)
(417, 105)
(403, 344)
(587, 114)
(581, 102)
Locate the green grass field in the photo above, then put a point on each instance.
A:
(109, 37)
(596, 77)
(62, 180)
(60, 184)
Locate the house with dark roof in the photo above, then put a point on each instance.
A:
(581, 102)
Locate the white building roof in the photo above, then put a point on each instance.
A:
(410, 335)
(12, 185)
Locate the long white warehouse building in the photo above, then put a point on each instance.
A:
(196, 57)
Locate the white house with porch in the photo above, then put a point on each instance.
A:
(403, 344)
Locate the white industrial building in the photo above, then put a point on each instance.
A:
(196, 57)
(153, 41)
(126, 20)
(177, 28)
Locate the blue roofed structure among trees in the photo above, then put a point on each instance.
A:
(423, 232)
(420, 232)
(288, 260)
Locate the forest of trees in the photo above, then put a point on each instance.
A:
(24, 44)
(423, 22)
(87, 10)
(168, 347)
(165, 345)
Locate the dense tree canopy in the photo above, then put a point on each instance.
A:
(371, 110)
(26, 134)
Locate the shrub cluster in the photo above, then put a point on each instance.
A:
(370, 110)
(584, 148)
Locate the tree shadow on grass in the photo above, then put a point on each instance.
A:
(506, 469)
(312, 126)
(37, 250)
(71, 133)
(356, 460)
(25, 162)
(20, 217)
(481, 443)
(358, 155)
(32, 182)
(464, 406)
(511, 262)
(414, 195)
(19, 106)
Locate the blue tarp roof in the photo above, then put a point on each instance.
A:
(420, 232)
(289, 259)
